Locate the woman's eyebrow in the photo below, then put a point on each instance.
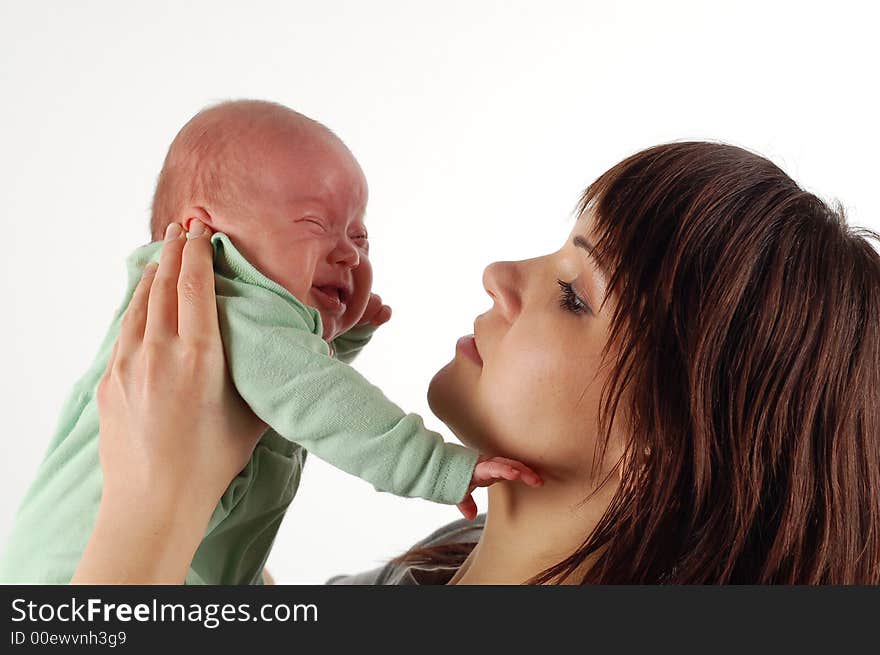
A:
(581, 242)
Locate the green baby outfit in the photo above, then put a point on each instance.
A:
(284, 370)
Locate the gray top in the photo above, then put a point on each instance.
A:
(395, 573)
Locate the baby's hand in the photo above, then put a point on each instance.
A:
(490, 470)
(376, 313)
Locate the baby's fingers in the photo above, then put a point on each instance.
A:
(490, 471)
(382, 316)
(376, 312)
(527, 474)
(468, 508)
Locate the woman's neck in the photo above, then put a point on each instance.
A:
(529, 530)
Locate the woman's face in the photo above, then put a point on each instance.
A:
(527, 384)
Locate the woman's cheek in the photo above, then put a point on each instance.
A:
(541, 390)
(521, 397)
(533, 371)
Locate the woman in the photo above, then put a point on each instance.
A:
(694, 373)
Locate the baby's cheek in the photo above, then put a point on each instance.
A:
(331, 326)
(345, 322)
(362, 296)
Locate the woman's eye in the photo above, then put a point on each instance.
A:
(570, 301)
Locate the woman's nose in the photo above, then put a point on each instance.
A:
(346, 253)
(501, 281)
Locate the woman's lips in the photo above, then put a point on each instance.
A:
(467, 346)
(328, 298)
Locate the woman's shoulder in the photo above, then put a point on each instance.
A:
(405, 573)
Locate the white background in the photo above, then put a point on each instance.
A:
(477, 123)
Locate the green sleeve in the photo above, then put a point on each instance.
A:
(284, 371)
(347, 346)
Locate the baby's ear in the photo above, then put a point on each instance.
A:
(200, 213)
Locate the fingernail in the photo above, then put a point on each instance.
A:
(148, 269)
(196, 229)
(172, 231)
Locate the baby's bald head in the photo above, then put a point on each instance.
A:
(216, 158)
(288, 194)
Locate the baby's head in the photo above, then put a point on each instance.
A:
(287, 192)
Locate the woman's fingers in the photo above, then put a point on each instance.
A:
(162, 308)
(197, 302)
(131, 332)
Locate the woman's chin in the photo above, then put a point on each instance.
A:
(438, 392)
(449, 400)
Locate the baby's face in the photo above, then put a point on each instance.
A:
(305, 230)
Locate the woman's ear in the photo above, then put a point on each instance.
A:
(200, 213)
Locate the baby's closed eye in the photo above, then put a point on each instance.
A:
(361, 239)
(314, 221)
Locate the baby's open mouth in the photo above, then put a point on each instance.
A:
(330, 297)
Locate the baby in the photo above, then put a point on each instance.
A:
(286, 200)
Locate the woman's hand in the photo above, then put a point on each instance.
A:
(174, 432)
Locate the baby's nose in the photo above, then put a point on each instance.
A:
(346, 253)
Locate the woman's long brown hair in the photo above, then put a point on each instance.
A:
(746, 371)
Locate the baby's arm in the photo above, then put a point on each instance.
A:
(347, 346)
(488, 471)
(285, 373)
